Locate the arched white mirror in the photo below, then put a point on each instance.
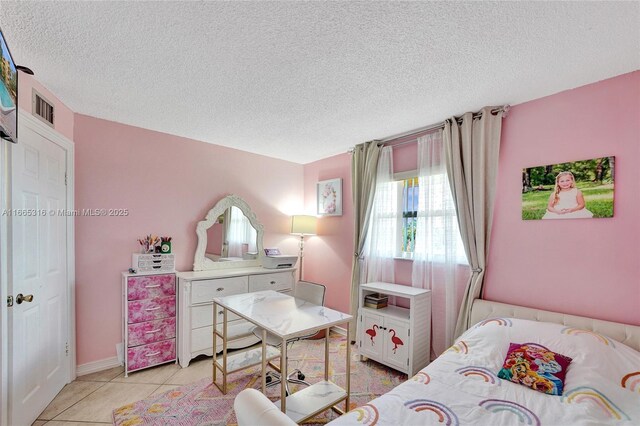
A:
(230, 236)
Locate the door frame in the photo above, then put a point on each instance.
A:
(27, 120)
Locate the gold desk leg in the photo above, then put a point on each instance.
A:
(348, 370)
(283, 376)
(326, 370)
(326, 354)
(224, 351)
(337, 410)
(264, 361)
(215, 342)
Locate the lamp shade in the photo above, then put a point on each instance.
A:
(304, 225)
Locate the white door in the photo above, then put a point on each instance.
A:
(38, 367)
(396, 348)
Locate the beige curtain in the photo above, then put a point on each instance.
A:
(378, 253)
(364, 166)
(471, 155)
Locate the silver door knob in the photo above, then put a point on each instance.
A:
(20, 298)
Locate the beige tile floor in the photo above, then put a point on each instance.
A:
(90, 399)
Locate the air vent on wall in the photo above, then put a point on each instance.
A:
(42, 108)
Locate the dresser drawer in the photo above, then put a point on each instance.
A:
(151, 331)
(204, 291)
(151, 309)
(148, 263)
(151, 354)
(149, 286)
(278, 282)
(153, 262)
(203, 315)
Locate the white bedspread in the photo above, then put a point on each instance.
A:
(461, 387)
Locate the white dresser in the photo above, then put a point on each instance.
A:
(396, 336)
(196, 291)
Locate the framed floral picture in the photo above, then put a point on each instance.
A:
(330, 197)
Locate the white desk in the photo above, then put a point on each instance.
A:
(286, 318)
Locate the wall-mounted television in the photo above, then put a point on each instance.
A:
(8, 93)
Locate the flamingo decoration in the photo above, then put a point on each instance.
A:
(372, 333)
(396, 340)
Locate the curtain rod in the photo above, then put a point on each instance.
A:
(385, 141)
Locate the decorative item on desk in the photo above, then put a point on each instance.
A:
(148, 244)
(165, 245)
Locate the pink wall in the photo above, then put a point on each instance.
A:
(63, 116)
(585, 266)
(168, 183)
(328, 256)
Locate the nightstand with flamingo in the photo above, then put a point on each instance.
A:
(396, 336)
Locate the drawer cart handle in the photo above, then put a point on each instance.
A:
(219, 288)
(152, 286)
(152, 331)
(153, 309)
(273, 282)
(153, 353)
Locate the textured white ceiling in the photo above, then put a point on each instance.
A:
(306, 80)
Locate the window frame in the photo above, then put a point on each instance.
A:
(399, 178)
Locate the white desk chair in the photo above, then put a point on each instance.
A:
(253, 408)
(309, 292)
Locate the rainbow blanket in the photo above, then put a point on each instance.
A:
(461, 387)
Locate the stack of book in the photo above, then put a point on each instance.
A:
(376, 301)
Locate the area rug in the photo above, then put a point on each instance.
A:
(201, 403)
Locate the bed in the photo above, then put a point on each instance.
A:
(602, 384)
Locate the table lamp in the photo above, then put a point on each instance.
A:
(303, 225)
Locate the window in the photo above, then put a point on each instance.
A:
(241, 236)
(409, 214)
(440, 211)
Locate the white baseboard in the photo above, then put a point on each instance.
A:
(95, 366)
(340, 330)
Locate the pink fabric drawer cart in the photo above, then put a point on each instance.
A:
(149, 307)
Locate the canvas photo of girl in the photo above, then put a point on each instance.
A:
(577, 190)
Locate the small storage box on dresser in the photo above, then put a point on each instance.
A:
(153, 262)
(149, 307)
